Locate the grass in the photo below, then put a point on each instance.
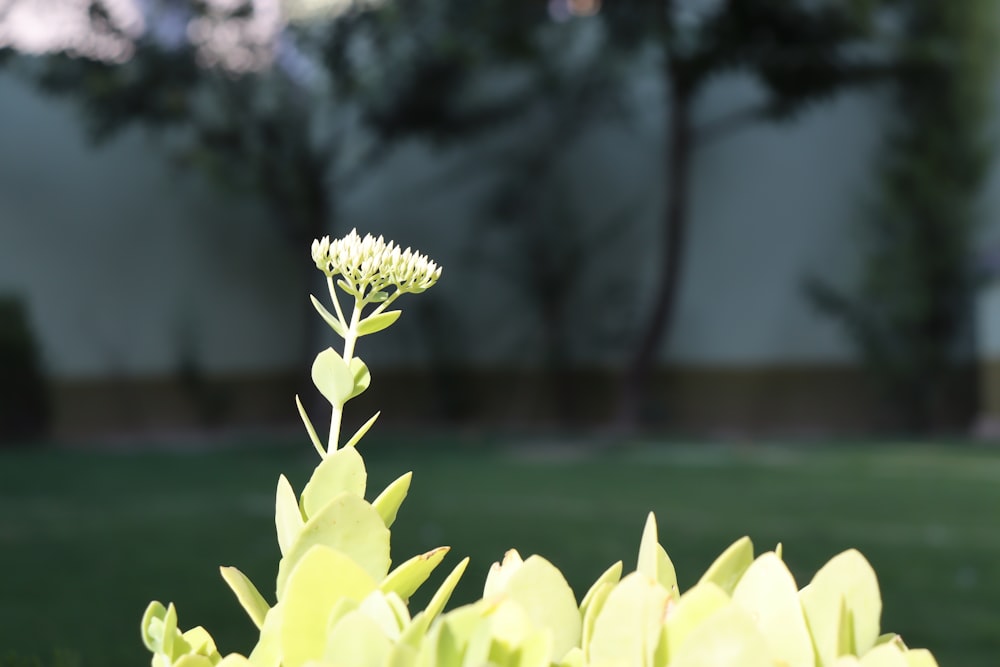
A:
(87, 539)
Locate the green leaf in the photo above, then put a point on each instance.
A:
(321, 579)
(192, 660)
(885, 655)
(692, 609)
(358, 641)
(540, 589)
(627, 629)
(443, 594)
(598, 595)
(343, 471)
(248, 595)
(267, 652)
(653, 559)
(384, 609)
(612, 575)
(349, 525)
(376, 323)
(152, 625)
(920, 658)
(288, 518)
(727, 569)
(360, 433)
(767, 591)
(574, 658)
(728, 638)
(410, 575)
(329, 318)
(310, 429)
(333, 377)
(847, 580)
(361, 377)
(388, 502)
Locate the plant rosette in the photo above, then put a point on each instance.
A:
(339, 602)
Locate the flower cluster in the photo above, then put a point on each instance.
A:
(369, 265)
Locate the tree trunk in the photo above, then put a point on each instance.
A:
(678, 164)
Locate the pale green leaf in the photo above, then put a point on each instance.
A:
(362, 378)
(267, 652)
(321, 579)
(329, 318)
(920, 658)
(288, 520)
(376, 323)
(343, 471)
(250, 598)
(360, 433)
(443, 593)
(573, 658)
(847, 579)
(727, 569)
(405, 579)
(310, 429)
(653, 559)
(541, 590)
(192, 660)
(377, 606)
(690, 611)
(767, 591)
(152, 625)
(356, 640)
(612, 575)
(332, 377)
(598, 596)
(627, 628)
(885, 655)
(349, 525)
(727, 639)
(388, 502)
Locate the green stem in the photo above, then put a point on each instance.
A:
(336, 301)
(349, 341)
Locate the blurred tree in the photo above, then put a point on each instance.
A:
(910, 315)
(799, 51)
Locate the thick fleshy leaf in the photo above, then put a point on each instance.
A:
(727, 569)
(885, 655)
(728, 638)
(690, 611)
(234, 660)
(250, 598)
(500, 573)
(846, 580)
(598, 596)
(627, 628)
(362, 377)
(376, 323)
(767, 591)
(612, 575)
(443, 593)
(310, 429)
(388, 502)
(321, 579)
(405, 579)
(357, 640)
(349, 525)
(343, 471)
(540, 589)
(329, 317)
(920, 658)
(192, 660)
(267, 652)
(333, 377)
(151, 626)
(288, 520)
(380, 607)
(574, 658)
(360, 433)
(653, 559)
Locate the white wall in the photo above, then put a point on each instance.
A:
(114, 250)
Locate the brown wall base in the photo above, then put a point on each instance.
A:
(802, 400)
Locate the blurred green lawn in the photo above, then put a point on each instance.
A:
(87, 539)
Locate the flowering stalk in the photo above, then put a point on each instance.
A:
(366, 269)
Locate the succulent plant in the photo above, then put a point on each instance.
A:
(340, 603)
